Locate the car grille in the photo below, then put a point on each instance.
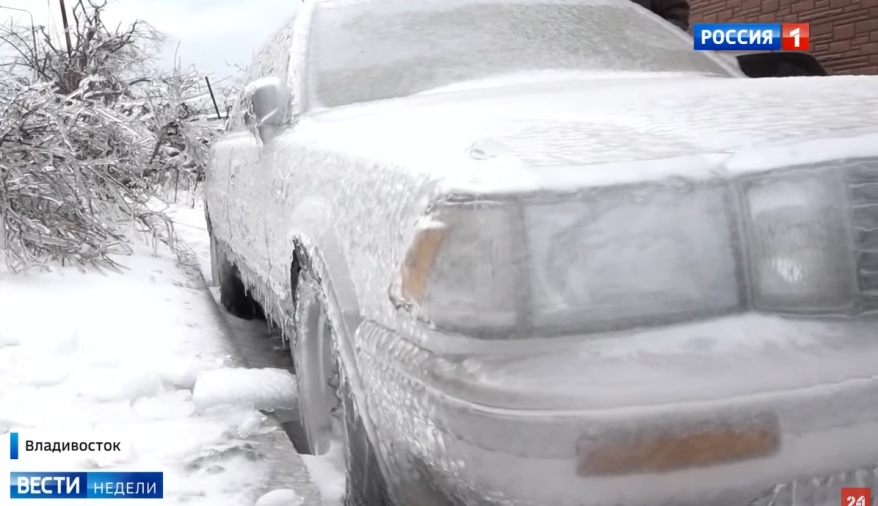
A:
(862, 182)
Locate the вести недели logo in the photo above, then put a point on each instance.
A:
(77, 485)
(86, 485)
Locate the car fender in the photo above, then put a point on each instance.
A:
(316, 246)
(314, 241)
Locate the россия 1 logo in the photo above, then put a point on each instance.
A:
(752, 36)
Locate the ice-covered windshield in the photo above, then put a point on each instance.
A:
(362, 50)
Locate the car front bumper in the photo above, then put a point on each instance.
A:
(809, 471)
(481, 455)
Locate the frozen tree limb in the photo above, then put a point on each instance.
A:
(69, 178)
(89, 140)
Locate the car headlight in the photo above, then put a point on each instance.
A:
(632, 256)
(799, 244)
(616, 258)
(610, 260)
(459, 270)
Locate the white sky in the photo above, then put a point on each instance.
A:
(210, 32)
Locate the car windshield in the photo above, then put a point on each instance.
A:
(363, 50)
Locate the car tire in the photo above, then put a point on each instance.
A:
(326, 400)
(233, 294)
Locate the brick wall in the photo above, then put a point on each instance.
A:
(844, 33)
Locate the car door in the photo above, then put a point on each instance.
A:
(240, 153)
(246, 231)
(277, 164)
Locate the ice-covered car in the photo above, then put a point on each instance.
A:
(542, 253)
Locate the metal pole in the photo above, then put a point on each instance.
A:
(66, 29)
(218, 115)
(33, 30)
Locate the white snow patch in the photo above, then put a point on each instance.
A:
(116, 384)
(7, 341)
(264, 389)
(168, 406)
(551, 76)
(190, 224)
(328, 473)
(183, 372)
(251, 423)
(813, 151)
(280, 497)
(112, 357)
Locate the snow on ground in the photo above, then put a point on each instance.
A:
(191, 226)
(115, 357)
(327, 471)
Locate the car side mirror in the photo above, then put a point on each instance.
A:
(268, 101)
(759, 65)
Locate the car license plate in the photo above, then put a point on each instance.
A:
(682, 445)
(819, 491)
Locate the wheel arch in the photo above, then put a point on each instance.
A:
(315, 246)
(321, 255)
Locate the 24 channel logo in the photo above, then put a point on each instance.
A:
(752, 36)
(856, 496)
(78, 485)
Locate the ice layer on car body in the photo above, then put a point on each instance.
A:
(648, 131)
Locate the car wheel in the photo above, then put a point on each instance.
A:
(233, 294)
(327, 408)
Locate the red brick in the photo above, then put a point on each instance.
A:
(867, 25)
(803, 6)
(843, 31)
(860, 41)
(841, 59)
(820, 29)
(854, 54)
(840, 46)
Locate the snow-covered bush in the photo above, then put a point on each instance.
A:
(71, 176)
(183, 120)
(75, 147)
(91, 135)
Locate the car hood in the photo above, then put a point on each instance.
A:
(607, 131)
(537, 133)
